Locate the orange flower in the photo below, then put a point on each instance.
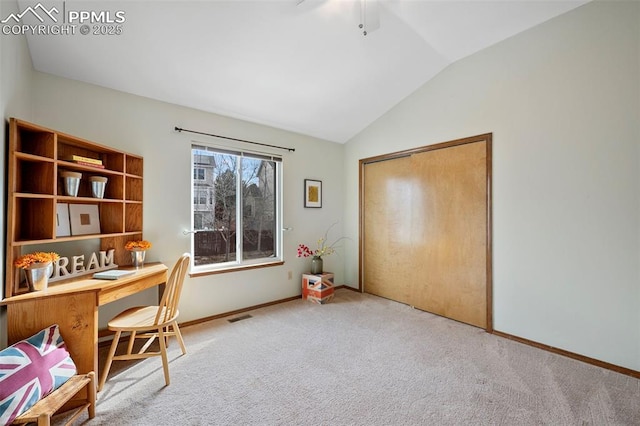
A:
(38, 257)
(137, 245)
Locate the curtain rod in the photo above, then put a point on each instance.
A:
(179, 129)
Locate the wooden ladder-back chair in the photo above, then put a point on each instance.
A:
(150, 322)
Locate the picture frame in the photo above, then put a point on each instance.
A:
(312, 193)
(63, 227)
(84, 219)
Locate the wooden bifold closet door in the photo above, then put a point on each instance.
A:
(425, 218)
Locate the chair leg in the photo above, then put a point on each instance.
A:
(107, 365)
(167, 335)
(178, 335)
(132, 339)
(163, 353)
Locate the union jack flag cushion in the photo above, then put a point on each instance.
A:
(31, 369)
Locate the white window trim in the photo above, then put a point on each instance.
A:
(279, 230)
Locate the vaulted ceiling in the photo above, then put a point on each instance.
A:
(300, 66)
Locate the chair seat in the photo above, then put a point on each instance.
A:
(138, 318)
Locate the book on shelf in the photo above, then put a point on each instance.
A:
(113, 274)
(77, 158)
(82, 163)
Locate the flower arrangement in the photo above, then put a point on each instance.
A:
(137, 245)
(323, 249)
(27, 260)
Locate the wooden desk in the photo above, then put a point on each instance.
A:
(74, 307)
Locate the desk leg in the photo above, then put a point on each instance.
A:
(75, 314)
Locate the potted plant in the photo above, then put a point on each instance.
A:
(37, 267)
(138, 249)
(323, 249)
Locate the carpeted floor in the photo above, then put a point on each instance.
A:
(361, 360)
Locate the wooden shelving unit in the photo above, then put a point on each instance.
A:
(36, 157)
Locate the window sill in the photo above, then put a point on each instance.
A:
(234, 269)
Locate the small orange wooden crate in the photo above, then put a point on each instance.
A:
(317, 288)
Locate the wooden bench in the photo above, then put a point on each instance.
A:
(42, 411)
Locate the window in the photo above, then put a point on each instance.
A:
(198, 174)
(200, 197)
(236, 209)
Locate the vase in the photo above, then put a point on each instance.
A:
(316, 265)
(137, 258)
(38, 275)
(71, 182)
(98, 183)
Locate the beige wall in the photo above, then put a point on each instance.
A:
(563, 103)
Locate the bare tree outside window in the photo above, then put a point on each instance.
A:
(258, 208)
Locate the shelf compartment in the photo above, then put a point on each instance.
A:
(34, 219)
(35, 177)
(31, 140)
(68, 146)
(133, 217)
(113, 189)
(134, 165)
(111, 219)
(133, 190)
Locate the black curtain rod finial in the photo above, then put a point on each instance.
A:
(179, 129)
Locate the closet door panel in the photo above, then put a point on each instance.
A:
(449, 232)
(388, 269)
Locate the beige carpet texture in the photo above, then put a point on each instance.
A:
(360, 360)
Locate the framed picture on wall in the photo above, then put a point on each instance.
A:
(312, 193)
(84, 219)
